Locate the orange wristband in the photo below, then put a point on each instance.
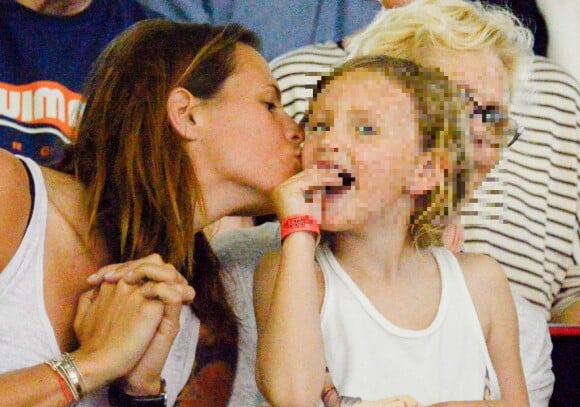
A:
(68, 396)
(299, 223)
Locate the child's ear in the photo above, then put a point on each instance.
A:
(182, 108)
(429, 173)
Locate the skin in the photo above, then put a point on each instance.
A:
(483, 73)
(56, 7)
(377, 253)
(245, 144)
(106, 341)
(395, 3)
(368, 155)
(570, 316)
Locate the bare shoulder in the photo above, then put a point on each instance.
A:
(487, 285)
(14, 177)
(481, 269)
(15, 205)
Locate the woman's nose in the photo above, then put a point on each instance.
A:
(294, 132)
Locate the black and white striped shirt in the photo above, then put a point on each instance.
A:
(537, 242)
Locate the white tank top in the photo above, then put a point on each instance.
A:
(370, 357)
(26, 334)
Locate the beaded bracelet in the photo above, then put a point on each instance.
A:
(299, 223)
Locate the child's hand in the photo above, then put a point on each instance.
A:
(299, 195)
(331, 398)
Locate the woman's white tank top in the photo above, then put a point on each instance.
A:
(26, 334)
(370, 357)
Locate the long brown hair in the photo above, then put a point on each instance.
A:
(142, 192)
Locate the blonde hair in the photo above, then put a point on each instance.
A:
(413, 31)
(442, 123)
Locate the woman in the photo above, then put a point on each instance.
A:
(182, 125)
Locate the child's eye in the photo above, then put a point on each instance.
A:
(319, 127)
(270, 105)
(366, 130)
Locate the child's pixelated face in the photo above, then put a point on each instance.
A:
(362, 137)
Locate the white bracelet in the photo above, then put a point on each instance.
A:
(76, 376)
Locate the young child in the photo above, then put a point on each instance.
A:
(379, 304)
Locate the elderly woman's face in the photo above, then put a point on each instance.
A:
(482, 73)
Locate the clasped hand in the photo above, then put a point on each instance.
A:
(131, 318)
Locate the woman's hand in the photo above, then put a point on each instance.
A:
(161, 282)
(145, 378)
(115, 325)
(151, 268)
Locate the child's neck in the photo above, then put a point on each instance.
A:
(401, 282)
(378, 249)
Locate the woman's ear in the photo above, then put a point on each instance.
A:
(181, 110)
(429, 173)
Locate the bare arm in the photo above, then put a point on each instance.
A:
(570, 315)
(38, 385)
(503, 340)
(566, 308)
(290, 358)
(290, 361)
(15, 205)
(108, 350)
(114, 328)
(502, 333)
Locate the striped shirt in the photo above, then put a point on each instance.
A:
(537, 239)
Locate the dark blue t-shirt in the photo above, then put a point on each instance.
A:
(44, 61)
